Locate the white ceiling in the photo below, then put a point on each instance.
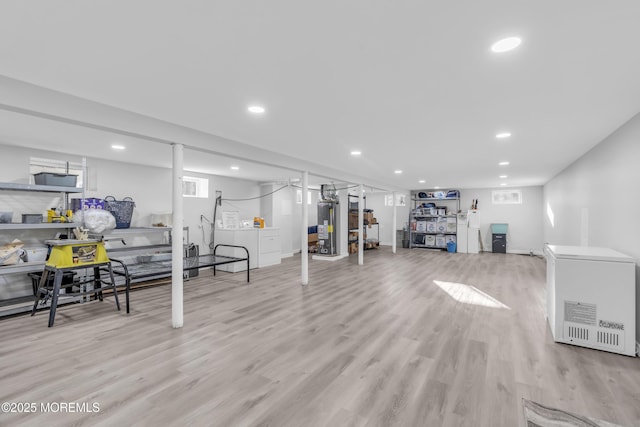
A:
(412, 84)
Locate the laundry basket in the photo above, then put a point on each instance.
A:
(122, 210)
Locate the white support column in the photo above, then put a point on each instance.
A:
(176, 237)
(394, 226)
(361, 225)
(304, 242)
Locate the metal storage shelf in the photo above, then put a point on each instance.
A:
(22, 304)
(434, 199)
(134, 230)
(434, 216)
(25, 267)
(25, 304)
(13, 186)
(42, 225)
(434, 232)
(368, 243)
(413, 217)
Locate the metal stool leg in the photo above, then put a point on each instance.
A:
(57, 281)
(113, 284)
(41, 285)
(97, 283)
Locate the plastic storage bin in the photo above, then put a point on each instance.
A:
(31, 218)
(5, 217)
(499, 228)
(36, 254)
(499, 238)
(58, 179)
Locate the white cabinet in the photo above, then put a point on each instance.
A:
(263, 245)
(268, 247)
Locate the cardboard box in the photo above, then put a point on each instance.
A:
(312, 237)
(353, 220)
(368, 217)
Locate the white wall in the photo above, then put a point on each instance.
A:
(281, 210)
(596, 200)
(384, 215)
(525, 220)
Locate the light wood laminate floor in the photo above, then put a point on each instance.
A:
(418, 338)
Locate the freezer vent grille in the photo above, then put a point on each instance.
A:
(611, 339)
(577, 333)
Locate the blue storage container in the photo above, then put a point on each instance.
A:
(499, 228)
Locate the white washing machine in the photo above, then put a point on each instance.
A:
(591, 297)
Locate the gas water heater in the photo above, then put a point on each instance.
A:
(327, 221)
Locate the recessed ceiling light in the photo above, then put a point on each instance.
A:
(356, 153)
(506, 44)
(118, 147)
(397, 172)
(436, 188)
(503, 176)
(422, 181)
(256, 109)
(503, 164)
(503, 135)
(503, 184)
(235, 168)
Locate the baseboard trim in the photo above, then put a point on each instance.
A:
(524, 252)
(328, 258)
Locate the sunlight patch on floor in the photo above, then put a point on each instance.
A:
(468, 294)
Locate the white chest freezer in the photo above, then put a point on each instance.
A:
(591, 298)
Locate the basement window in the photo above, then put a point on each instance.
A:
(39, 165)
(506, 197)
(401, 200)
(299, 197)
(195, 187)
